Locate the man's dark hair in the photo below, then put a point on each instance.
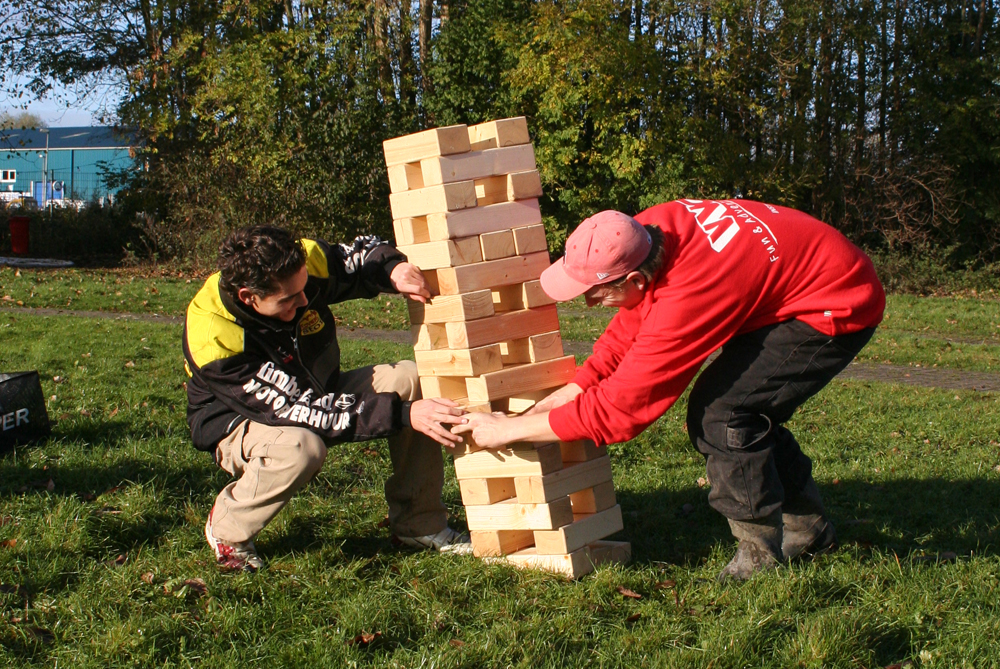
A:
(258, 258)
(653, 263)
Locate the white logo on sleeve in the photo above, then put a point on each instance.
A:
(344, 402)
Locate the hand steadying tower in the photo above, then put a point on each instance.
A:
(465, 211)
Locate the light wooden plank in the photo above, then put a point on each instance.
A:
(514, 352)
(477, 164)
(594, 500)
(503, 542)
(496, 245)
(570, 479)
(581, 451)
(451, 308)
(510, 515)
(443, 141)
(433, 200)
(447, 253)
(411, 231)
(452, 388)
(499, 133)
(584, 530)
(475, 407)
(510, 325)
(478, 276)
(405, 176)
(478, 220)
(573, 565)
(524, 185)
(521, 403)
(545, 346)
(522, 379)
(429, 336)
(509, 462)
(527, 295)
(459, 362)
(530, 239)
(485, 491)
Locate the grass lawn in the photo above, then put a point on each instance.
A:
(103, 563)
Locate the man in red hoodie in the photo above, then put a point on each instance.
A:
(789, 300)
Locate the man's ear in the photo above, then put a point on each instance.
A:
(636, 279)
(246, 296)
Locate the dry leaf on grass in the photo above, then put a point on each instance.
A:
(41, 634)
(148, 578)
(666, 585)
(9, 543)
(625, 592)
(363, 639)
(702, 482)
(130, 364)
(116, 561)
(455, 643)
(632, 618)
(113, 413)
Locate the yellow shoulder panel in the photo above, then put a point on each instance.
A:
(315, 259)
(212, 332)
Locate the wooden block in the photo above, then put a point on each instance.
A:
(485, 491)
(527, 295)
(495, 245)
(477, 164)
(452, 388)
(435, 142)
(503, 542)
(536, 348)
(511, 325)
(594, 500)
(500, 133)
(447, 253)
(451, 308)
(521, 403)
(433, 200)
(570, 479)
(510, 515)
(584, 530)
(503, 216)
(467, 278)
(474, 407)
(602, 552)
(522, 379)
(405, 176)
(573, 565)
(509, 462)
(581, 451)
(431, 277)
(411, 231)
(459, 361)
(530, 239)
(524, 185)
(545, 346)
(429, 336)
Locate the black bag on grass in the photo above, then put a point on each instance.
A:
(22, 410)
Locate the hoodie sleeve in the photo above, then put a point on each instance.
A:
(266, 393)
(360, 269)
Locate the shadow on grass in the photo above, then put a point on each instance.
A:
(927, 516)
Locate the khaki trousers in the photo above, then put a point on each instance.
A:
(272, 463)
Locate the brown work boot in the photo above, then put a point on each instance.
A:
(807, 530)
(759, 547)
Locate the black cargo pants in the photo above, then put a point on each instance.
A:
(741, 400)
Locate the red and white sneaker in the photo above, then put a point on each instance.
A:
(239, 557)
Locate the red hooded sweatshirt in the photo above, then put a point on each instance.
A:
(732, 266)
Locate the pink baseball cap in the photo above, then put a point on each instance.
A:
(604, 248)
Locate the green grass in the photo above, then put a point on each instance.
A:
(909, 474)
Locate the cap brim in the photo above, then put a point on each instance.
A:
(559, 286)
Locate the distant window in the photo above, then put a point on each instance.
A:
(8, 176)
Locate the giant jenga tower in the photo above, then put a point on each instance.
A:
(465, 211)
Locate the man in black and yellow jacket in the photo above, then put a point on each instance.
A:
(267, 395)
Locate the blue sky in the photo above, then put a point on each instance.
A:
(67, 107)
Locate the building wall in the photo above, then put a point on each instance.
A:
(81, 169)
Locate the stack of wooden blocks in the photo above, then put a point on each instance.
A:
(465, 211)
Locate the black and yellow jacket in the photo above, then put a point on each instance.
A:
(244, 365)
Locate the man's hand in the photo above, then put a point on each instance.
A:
(488, 430)
(427, 416)
(560, 397)
(408, 280)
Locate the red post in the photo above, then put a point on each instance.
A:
(19, 234)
